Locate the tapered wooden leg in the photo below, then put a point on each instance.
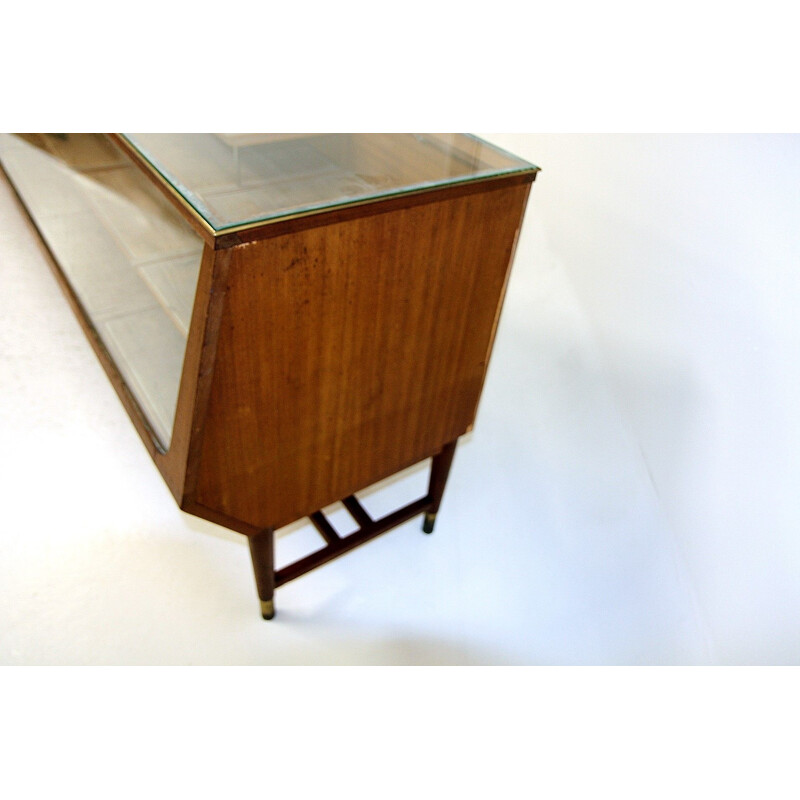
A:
(262, 551)
(440, 469)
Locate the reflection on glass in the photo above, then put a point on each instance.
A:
(234, 179)
(131, 260)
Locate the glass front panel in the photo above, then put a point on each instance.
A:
(131, 260)
(234, 179)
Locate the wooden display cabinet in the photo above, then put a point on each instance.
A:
(287, 318)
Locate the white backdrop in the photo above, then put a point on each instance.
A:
(683, 252)
(629, 494)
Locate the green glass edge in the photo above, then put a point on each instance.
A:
(203, 212)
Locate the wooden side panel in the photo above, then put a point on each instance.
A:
(350, 351)
(198, 364)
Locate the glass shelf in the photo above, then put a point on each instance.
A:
(234, 180)
(129, 257)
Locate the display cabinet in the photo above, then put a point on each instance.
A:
(287, 318)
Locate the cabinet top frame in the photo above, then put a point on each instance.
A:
(234, 188)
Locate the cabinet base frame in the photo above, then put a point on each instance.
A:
(262, 544)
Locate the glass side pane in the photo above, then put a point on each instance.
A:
(233, 179)
(131, 260)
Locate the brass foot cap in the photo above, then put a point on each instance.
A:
(268, 609)
(427, 525)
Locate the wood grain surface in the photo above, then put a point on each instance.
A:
(348, 352)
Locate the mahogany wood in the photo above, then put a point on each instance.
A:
(357, 511)
(324, 527)
(349, 352)
(262, 552)
(348, 543)
(440, 469)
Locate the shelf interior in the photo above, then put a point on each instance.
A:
(131, 260)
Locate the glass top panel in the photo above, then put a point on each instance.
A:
(235, 179)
